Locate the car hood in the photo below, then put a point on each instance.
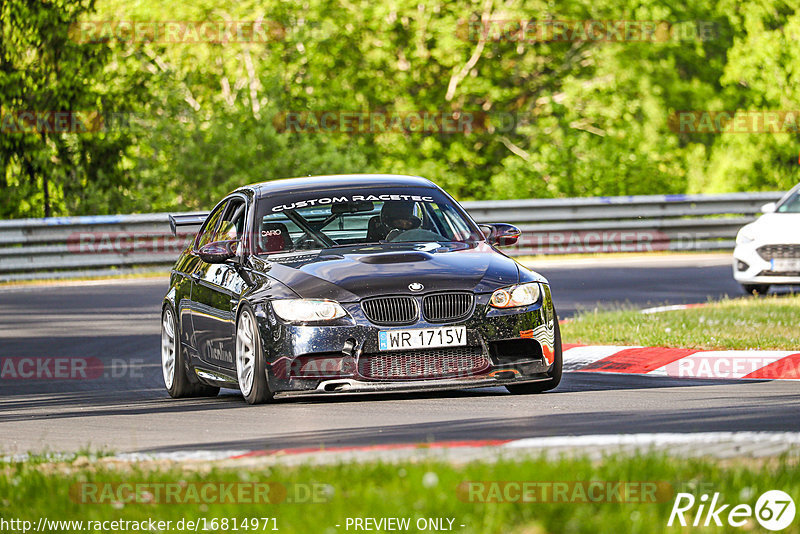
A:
(776, 228)
(349, 274)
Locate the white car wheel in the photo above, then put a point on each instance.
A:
(246, 352)
(168, 347)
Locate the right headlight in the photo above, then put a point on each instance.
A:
(516, 296)
(307, 311)
(745, 236)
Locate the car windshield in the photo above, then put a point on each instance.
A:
(317, 220)
(792, 204)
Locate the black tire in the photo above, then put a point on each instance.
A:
(258, 392)
(554, 374)
(755, 289)
(182, 386)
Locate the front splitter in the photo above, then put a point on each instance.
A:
(349, 386)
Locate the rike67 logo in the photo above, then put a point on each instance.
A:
(774, 510)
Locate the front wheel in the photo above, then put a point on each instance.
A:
(755, 289)
(553, 375)
(173, 365)
(250, 364)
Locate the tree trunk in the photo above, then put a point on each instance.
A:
(46, 190)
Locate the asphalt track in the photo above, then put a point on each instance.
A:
(127, 409)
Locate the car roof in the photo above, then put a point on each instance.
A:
(335, 181)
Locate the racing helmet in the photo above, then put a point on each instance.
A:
(400, 214)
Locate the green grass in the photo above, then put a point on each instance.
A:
(746, 323)
(410, 489)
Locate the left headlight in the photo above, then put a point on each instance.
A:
(515, 296)
(306, 311)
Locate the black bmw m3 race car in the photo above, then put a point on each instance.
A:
(352, 284)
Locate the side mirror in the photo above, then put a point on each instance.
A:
(218, 251)
(769, 207)
(501, 234)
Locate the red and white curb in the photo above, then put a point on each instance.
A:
(684, 363)
(720, 444)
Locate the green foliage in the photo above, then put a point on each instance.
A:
(43, 170)
(196, 119)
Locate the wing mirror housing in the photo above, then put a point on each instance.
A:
(501, 234)
(218, 251)
(769, 207)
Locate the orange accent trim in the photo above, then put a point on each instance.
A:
(549, 355)
(504, 371)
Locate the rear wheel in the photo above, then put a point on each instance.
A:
(173, 364)
(755, 289)
(250, 364)
(553, 375)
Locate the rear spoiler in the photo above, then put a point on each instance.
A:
(186, 219)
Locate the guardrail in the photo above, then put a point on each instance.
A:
(61, 247)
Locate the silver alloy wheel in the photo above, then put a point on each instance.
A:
(246, 352)
(168, 347)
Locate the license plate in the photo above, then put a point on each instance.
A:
(422, 338)
(785, 265)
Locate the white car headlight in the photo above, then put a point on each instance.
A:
(515, 296)
(744, 236)
(306, 311)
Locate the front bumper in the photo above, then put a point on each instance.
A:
(750, 268)
(517, 346)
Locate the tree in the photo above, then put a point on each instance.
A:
(59, 149)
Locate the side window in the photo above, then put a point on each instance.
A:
(792, 204)
(275, 233)
(452, 225)
(208, 232)
(232, 226)
(444, 225)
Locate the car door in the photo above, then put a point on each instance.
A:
(216, 289)
(186, 306)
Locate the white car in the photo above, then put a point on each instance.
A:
(768, 250)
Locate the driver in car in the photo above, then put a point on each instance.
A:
(399, 217)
